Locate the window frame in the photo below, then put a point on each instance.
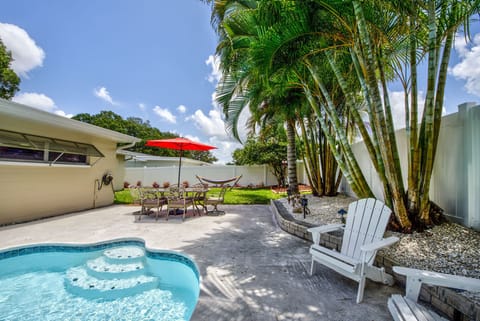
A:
(54, 151)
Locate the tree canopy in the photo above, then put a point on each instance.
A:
(339, 57)
(9, 81)
(270, 150)
(137, 127)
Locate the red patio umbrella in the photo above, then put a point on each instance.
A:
(180, 144)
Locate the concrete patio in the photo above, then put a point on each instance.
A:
(251, 270)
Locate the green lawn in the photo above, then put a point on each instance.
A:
(123, 197)
(234, 196)
(248, 195)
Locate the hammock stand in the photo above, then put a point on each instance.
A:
(215, 200)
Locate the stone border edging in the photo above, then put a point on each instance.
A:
(451, 303)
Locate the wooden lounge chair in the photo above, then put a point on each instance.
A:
(362, 237)
(406, 308)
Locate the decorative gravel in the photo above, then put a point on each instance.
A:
(447, 248)
(323, 210)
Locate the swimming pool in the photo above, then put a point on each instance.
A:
(115, 280)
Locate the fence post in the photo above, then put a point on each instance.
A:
(471, 116)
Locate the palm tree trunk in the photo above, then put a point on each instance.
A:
(437, 107)
(291, 157)
(412, 125)
(379, 122)
(351, 161)
(331, 142)
(427, 128)
(311, 159)
(372, 148)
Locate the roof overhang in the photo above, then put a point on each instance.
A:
(21, 111)
(140, 157)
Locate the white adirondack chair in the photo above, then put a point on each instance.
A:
(362, 237)
(407, 309)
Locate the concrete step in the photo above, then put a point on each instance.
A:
(124, 255)
(79, 282)
(102, 269)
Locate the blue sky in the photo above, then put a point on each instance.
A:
(152, 59)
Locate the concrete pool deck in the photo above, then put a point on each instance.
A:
(251, 270)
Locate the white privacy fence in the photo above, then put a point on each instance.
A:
(455, 185)
(253, 175)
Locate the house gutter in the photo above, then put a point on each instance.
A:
(131, 144)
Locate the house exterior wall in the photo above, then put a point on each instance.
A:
(31, 191)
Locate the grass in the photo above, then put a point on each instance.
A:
(234, 196)
(123, 197)
(248, 195)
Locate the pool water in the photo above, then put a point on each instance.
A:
(108, 281)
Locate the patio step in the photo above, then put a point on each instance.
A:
(117, 273)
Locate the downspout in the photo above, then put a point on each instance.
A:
(127, 145)
(96, 182)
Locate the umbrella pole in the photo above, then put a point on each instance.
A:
(179, 167)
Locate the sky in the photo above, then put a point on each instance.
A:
(153, 59)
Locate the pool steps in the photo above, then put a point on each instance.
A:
(117, 273)
(102, 269)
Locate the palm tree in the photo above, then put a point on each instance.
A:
(242, 85)
(384, 36)
(384, 40)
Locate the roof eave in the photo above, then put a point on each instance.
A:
(26, 112)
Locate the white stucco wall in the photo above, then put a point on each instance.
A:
(29, 191)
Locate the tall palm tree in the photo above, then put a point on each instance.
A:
(384, 36)
(384, 40)
(242, 85)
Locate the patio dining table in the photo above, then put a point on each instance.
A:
(182, 198)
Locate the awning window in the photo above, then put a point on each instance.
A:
(15, 146)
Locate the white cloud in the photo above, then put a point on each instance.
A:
(165, 114)
(194, 138)
(103, 94)
(211, 125)
(142, 106)
(62, 113)
(398, 107)
(40, 101)
(468, 68)
(25, 52)
(182, 109)
(214, 63)
(224, 149)
(36, 100)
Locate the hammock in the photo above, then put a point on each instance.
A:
(204, 180)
